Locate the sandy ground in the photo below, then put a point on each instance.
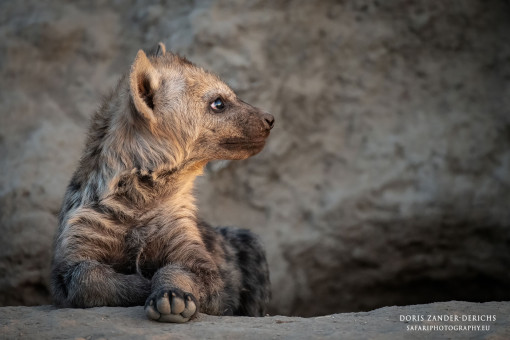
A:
(47, 322)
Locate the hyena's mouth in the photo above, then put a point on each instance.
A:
(241, 143)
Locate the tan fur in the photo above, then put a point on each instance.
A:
(128, 224)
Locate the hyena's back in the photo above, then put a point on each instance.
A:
(245, 271)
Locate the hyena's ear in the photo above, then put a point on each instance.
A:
(161, 49)
(144, 80)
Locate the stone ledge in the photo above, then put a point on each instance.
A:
(47, 322)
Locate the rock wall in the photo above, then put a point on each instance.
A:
(385, 181)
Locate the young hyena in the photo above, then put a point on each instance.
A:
(128, 232)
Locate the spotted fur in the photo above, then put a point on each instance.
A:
(128, 232)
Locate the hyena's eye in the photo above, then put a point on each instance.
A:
(217, 105)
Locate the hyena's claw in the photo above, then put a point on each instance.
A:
(171, 305)
(151, 311)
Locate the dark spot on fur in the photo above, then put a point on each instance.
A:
(146, 180)
(95, 151)
(242, 257)
(75, 185)
(73, 198)
(93, 196)
(167, 173)
(209, 236)
(261, 278)
(69, 204)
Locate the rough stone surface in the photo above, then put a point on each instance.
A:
(46, 322)
(386, 179)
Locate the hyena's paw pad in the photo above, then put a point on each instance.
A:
(171, 305)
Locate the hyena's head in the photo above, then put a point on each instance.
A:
(192, 110)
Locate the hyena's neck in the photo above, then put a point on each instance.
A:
(125, 161)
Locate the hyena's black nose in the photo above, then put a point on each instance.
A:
(268, 120)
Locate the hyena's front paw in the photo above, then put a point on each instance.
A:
(171, 305)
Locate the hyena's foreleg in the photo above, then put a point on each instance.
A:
(91, 284)
(175, 294)
(87, 262)
(188, 279)
(179, 292)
